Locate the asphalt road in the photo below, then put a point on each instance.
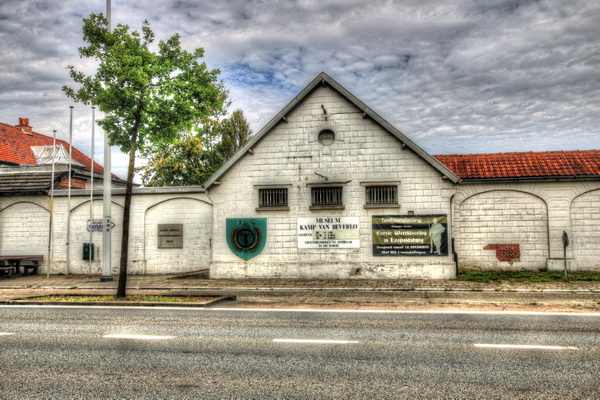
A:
(253, 354)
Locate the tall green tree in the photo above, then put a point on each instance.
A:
(186, 162)
(146, 96)
(235, 133)
(193, 158)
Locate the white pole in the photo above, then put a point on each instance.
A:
(69, 193)
(108, 16)
(107, 197)
(90, 249)
(51, 206)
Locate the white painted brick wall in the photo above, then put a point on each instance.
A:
(568, 206)
(24, 229)
(80, 215)
(195, 216)
(291, 154)
(24, 226)
(585, 228)
(502, 217)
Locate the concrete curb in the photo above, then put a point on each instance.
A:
(307, 289)
(33, 301)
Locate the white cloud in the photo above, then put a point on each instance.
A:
(462, 76)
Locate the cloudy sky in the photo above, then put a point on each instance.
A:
(463, 76)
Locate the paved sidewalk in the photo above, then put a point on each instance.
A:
(171, 282)
(339, 294)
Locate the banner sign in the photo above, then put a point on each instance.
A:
(329, 233)
(246, 237)
(410, 235)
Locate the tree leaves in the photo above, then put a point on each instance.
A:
(194, 157)
(161, 93)
(235, 133)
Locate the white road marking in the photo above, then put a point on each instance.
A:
(320, 341)
(6, 333)
(138, 337)
(524, 346)
(451, 312)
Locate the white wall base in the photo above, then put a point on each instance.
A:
(228, 270)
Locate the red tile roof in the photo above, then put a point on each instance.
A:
(15, 146)
(522, 165)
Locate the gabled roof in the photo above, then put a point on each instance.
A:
(16, 143)
(321, 79)
(550, 164)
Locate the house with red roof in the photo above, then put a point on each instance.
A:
(26, 159)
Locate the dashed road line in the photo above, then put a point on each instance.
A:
(524, 346)
(137, 337)
(316, 341)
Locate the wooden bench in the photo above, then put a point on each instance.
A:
(30, 268)
(7, 271)
(32, 262)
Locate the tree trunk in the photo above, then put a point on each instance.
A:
(122, 288)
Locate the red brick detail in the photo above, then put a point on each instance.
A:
(76, 183)
(519, 165)
(505, 252)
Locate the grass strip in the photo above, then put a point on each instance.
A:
(526, 276)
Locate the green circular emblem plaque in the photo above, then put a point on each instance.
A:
(246, 236)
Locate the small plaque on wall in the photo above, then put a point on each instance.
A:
(170, 236)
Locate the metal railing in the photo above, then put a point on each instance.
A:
(382, 194)
(326, 196)
(272, 197)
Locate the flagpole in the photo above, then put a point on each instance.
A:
(107, 196)
(51, 205)
(68, 266)
(91, 245)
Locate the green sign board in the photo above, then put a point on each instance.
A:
(410, 235)
(246, 237)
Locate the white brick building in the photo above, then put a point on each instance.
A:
(328, 189)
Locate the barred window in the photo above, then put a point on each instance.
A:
(273, 197)
(382, 195)
(327, 196)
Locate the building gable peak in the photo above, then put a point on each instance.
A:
(325, 80)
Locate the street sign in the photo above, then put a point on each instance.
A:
(96, 225)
